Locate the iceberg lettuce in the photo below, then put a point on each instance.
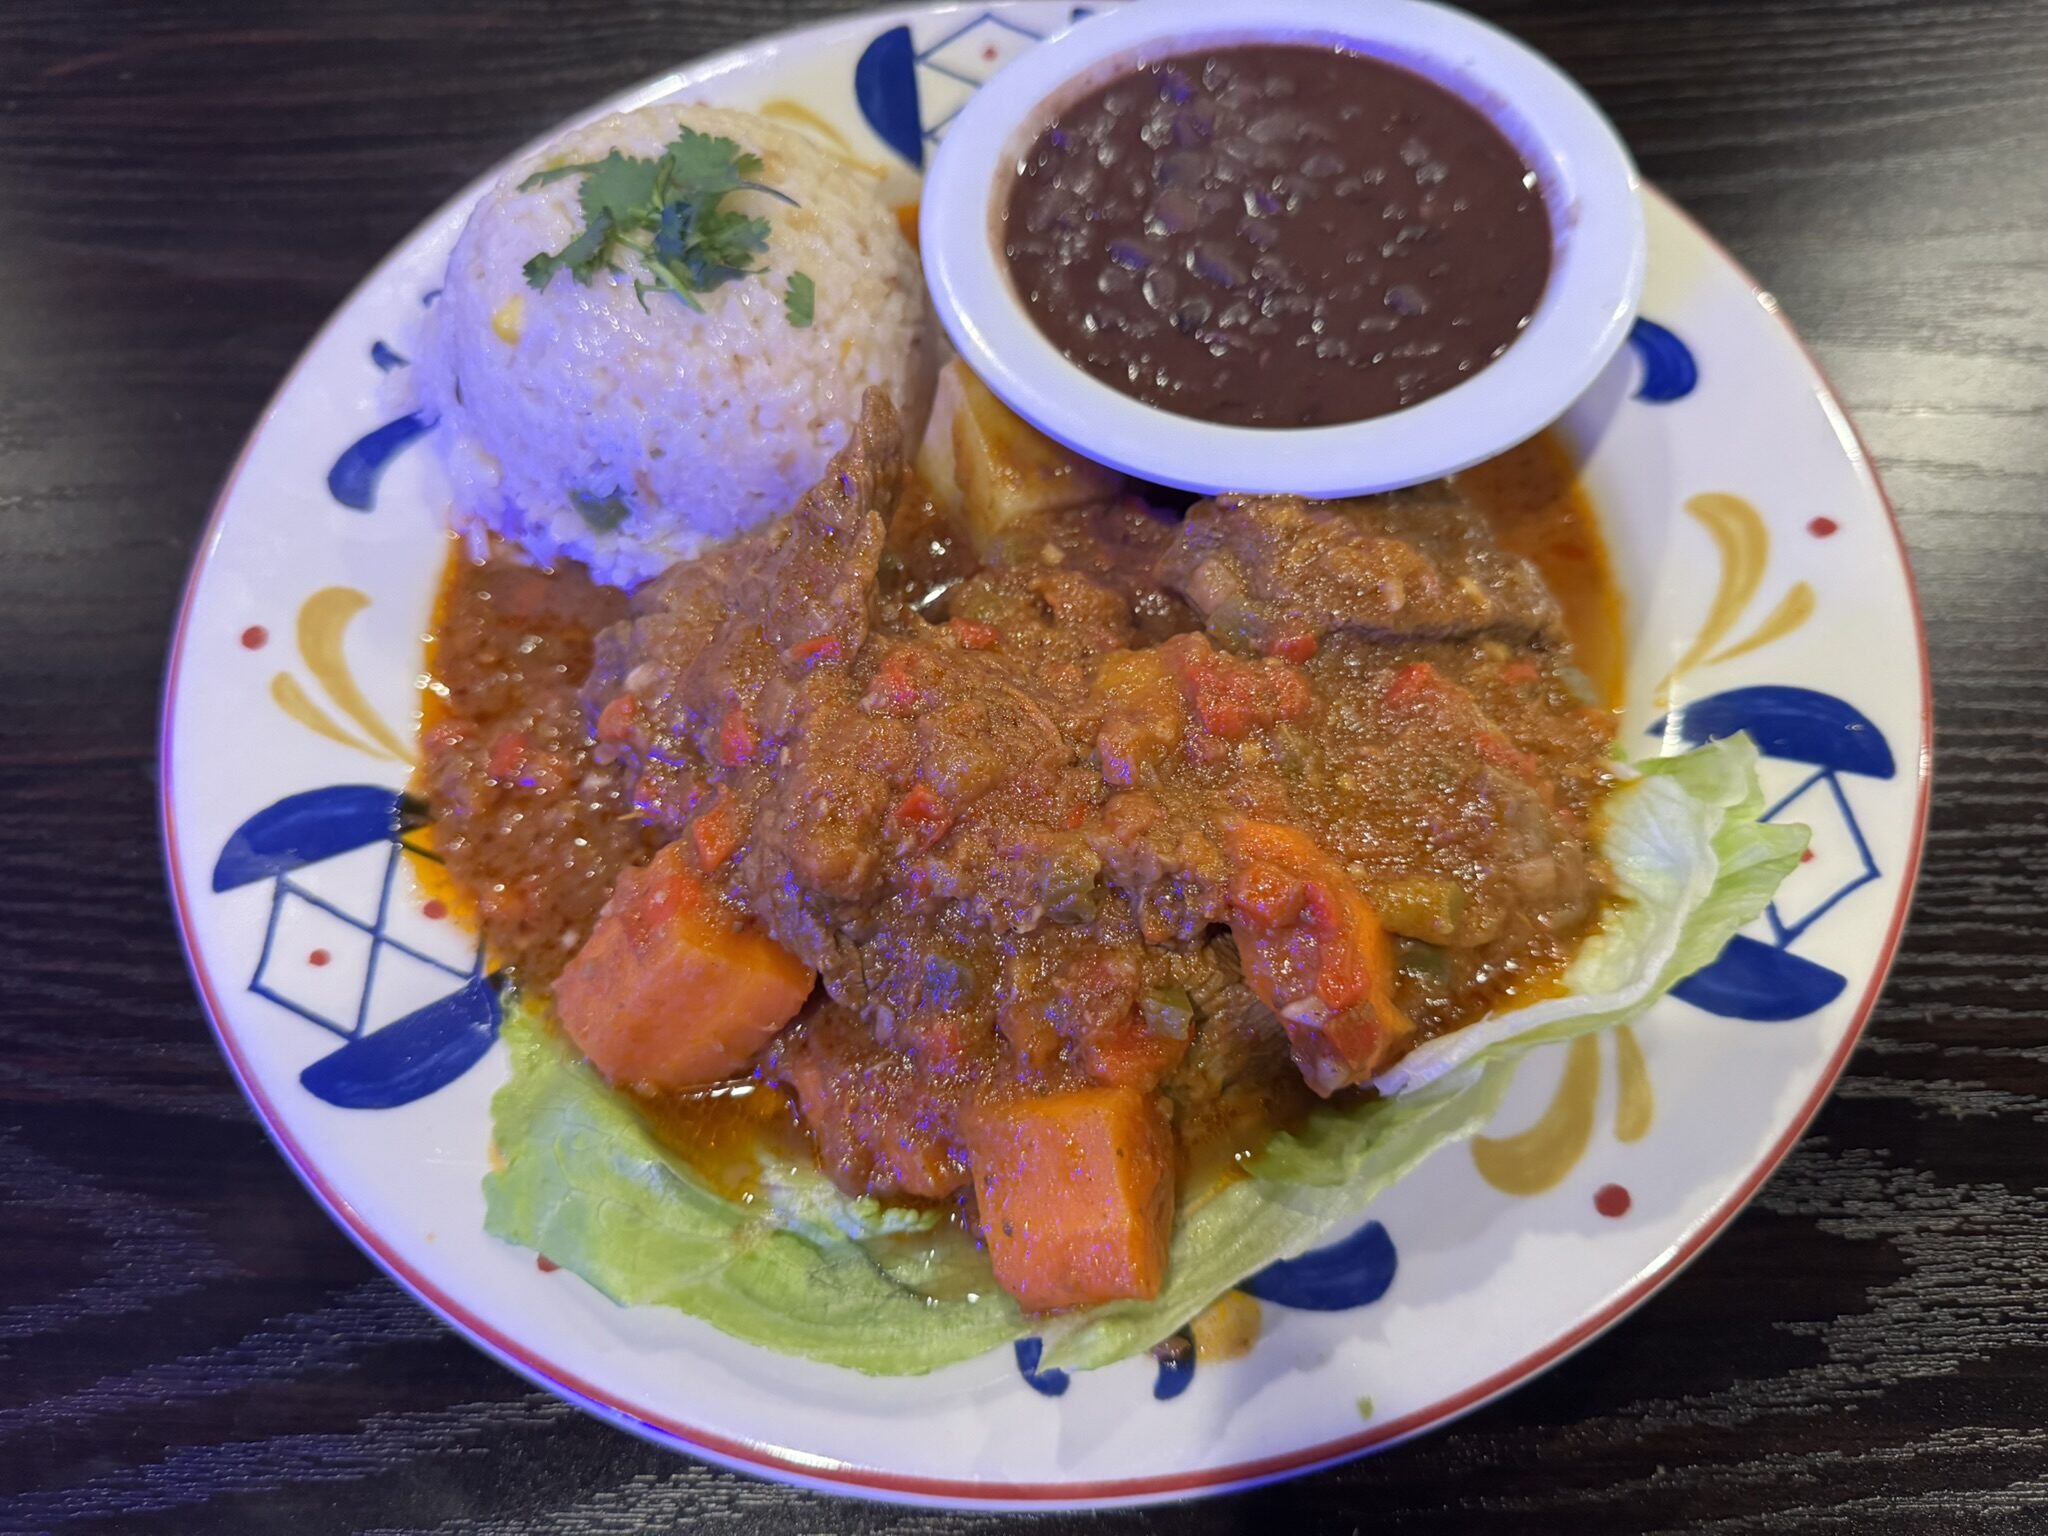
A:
(806, 1270)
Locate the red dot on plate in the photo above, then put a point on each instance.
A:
(318, 957)
(988, 51)
(1821, 527)
(255, 637)
(1806, 855)
(544, 1264)
(435, 910)
(1611, 1200)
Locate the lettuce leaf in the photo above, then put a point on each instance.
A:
(806, 1270)
(803, 1269)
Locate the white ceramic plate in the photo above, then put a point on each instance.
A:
(1760, 565)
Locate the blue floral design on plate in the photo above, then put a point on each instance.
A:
(412, 1056)
(1669, 369)
(1767, 982)
(1354, 1271)
(353, 480)
(909, 94)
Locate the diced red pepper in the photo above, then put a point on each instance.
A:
(975, 636)
(1291, 696)
(1129, 1055)
(715, 832)
(1297, 646)
(1520, 670)
(896, 690)
(1506, 756)
(1223, 696)
(738, 738)
(807, 653)
(615, 720)
(921, 816)
(1345, 976)
(1232, 698)
(508, 757)
(1417, 680)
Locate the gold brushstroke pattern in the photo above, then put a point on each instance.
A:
(1636, 1105)
(1227, 1328)
(1538, 1159)
(795, 113)
(1744, 543)
(292, 699)
(1793, 610)
(323, 620)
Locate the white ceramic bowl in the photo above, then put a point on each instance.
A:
(1585, 172)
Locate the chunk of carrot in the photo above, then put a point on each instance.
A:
(1314, 952)
(672, 988)
(1076, 1196)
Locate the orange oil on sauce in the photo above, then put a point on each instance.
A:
(436, 882)
(726, 1131)
(1541, 512)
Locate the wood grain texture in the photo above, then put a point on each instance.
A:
(187, 1344)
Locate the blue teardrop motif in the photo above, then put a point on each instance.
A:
(1353, 1272)
(411, 1057)
(1669, 372)
(353, 480)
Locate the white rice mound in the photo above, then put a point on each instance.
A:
(703, 425)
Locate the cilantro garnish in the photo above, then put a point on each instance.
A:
(604, 513)
(667, 212)
(800, 303)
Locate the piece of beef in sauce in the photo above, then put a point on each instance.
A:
(1280, 575)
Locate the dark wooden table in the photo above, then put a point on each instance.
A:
(186, 1343)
